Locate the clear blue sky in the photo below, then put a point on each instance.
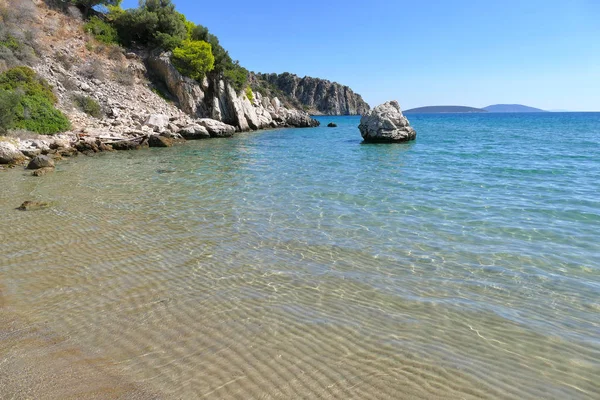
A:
(542, 53)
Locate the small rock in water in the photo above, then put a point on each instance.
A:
(40, 162)
(159, 141)
(126, 145)
(332, 125)
(42, 171)
(33, 205)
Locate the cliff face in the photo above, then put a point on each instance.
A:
(317, 96)
(216, 99)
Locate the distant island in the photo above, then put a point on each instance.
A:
(444, 109)
(511, 108)
(495, 108)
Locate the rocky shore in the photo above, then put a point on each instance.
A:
(142, 99)
(40, 152)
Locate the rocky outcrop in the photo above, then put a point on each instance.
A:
(216, 128)
(10, 154)
(386, 124)
(319, 96)
(194, 132)
(217, 100)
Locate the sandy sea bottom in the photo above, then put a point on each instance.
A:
(302, 264)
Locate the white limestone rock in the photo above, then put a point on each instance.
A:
(386, 124)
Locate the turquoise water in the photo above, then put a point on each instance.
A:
(300, 263)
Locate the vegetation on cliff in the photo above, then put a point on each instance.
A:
(194, 58)
(17, 42)
(157, 25)
(28, 103)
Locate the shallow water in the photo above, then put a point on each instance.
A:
(301, 263)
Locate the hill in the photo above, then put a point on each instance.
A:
(314, 95)
(444, 109)
(511, 108)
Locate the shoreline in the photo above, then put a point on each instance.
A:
(158, 131)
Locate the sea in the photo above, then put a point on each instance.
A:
(305, 264)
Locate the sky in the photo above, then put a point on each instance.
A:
(541, 53)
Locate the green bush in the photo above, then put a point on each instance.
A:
(193, 58)
(10, 42)
(237, 76)
(155, 23)
(35, 109)
(249, 94)
(9, 101)
(231, 70)
(26, 80)
(37, 114)
(101, 30)
(88, 105)
(16, 46)
(222, 59)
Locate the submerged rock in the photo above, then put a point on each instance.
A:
(89, 146)
(33, 205)
(159, 141)
(42, 171)
(332, 125)
(40, 162)
(386, 124)
(125, 145)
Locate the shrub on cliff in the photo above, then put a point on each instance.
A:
(155, 23)
(35, 109)
(231, 70)
(194, 58)
(17, 45)
(9, 102)
(123, 75)
(249, 94)
(103, 31)
(88, 105)
(236, 75)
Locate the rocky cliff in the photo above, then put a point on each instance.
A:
(317, 96)
(216, 99)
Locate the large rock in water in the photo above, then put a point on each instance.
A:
(386, 124)
(40, 162)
